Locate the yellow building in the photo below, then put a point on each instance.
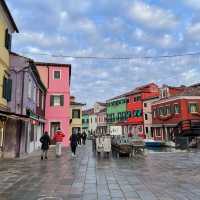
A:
(76, 115)
(7, 27)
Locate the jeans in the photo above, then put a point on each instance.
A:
(73, 148)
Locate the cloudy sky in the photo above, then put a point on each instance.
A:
(112, 28)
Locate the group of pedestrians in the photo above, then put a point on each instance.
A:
(75, 140)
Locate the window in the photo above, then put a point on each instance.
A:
(154, 113)
(57, 75)
(193, 107)
(7, 89)
(83, 121)
(95, 119)
(42, 101)
(34, 94)
(145, 105)
(76, 114)
(161, 111)
(147, 130)
(57, 100)
(146, 117)
(176, 109)
(167, 110)
(32, 133)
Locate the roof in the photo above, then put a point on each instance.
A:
(101, 103)
(37, 75)
(191, 91)
(7, 11)
(134, 91)
(33, 68)
(88, 112)
(77, 104)
(150, 98)
(102, 111)
(52, 64)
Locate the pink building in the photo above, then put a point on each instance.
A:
(56, 78)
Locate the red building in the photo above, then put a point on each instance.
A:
(135, 122)
(176, 104)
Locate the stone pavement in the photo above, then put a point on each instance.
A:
(155, 176)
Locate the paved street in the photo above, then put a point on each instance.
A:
(156, 176)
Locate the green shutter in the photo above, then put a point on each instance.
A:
(4, 87)
(8, 89)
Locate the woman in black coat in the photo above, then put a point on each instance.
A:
(45, 140)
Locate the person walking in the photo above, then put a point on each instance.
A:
(58, 138)
(79, 138)
(73, 142)
(84, 137)
(45, 140)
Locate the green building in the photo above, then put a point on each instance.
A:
(117, 110)
(85, 121)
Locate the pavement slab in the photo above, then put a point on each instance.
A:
(154, 176)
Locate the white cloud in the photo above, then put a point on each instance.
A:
(152, 16)
(163, 41)
(193, 3)
(193, 31)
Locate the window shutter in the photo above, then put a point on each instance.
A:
(62, 100)
(4, 87)
(8, 39)
(9, 89)
(51, 100)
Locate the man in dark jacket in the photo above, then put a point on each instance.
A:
(73, 141)
(45, 140)
(84, 137)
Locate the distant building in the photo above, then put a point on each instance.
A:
(147, 116)
(126, 110)
(176, 105)
(92, 121)
(56, 78)
(101, 121)
(85, 121)
(76, 116)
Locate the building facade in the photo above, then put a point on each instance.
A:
(117, 112)
(85, 121)
(147, 116)
(102, 122)
(7, 28)
(76, 116)
(135, 121)
(169, 111)
(28, 100)
(92, 121)
(56, 78)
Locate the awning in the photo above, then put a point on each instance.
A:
(13, 115)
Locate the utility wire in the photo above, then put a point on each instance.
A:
(114, 58)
